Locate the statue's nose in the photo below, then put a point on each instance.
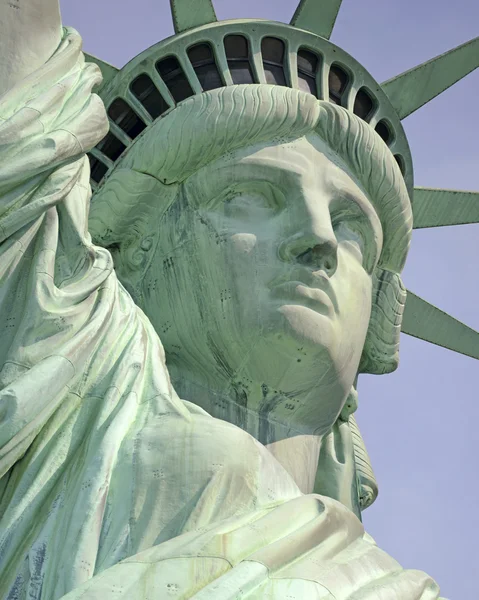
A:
(322, 257)
(316, 249)
(312, 241)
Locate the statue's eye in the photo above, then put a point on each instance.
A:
(349, 230)
(247, 201)
(354, 228)
(253, 201)
(355, 234)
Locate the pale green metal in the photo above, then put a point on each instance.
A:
(317, 16)
(108, 71)
(427, 322)
(188, 14)
(186, 466)
(368, 488)
(414, 88)
(254, 31)
(440, 208)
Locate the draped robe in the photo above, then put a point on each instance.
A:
(111, 486)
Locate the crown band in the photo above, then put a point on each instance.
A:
(238, 52)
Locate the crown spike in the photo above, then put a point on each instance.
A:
(188, 14)
(428, 323)
(414, 88)
(438, 208)
(317, 16)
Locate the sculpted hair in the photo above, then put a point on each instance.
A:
(215, 123)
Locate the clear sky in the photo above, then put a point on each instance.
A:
(421, 423)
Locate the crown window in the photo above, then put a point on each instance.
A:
(273, 52)
(97, 169)
(111, 146)
(126, 118)
(338, 83)
(384, 132)
(237, 55)
(308, 63)
(400, 162)
(174, 77)
(147, 93)
(363, 104)
(203, 61)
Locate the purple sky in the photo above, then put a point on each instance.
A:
(421, 423)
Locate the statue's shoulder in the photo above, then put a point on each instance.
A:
(311, 546)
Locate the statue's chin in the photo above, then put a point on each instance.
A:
(309, 326)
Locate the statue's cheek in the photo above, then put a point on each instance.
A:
(243, 243)
(353, 287)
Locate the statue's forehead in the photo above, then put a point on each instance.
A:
(302, 167)
(307, 160)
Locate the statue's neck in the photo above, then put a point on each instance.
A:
(297, 450)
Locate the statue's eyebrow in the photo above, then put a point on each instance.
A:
(362, 202)
(270, 169)
(340, 187)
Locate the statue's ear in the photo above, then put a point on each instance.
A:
(381, 348)
(124, 216)
(127, 206)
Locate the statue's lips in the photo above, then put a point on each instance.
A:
(296, 292)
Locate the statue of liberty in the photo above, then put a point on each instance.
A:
(242, 191)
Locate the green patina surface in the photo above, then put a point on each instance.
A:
(258, 229)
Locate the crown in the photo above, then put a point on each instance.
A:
(205, 54)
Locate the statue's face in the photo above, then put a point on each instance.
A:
(263, 273)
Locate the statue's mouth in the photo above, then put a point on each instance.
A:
(321, 300)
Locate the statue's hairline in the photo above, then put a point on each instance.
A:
(188, 139)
